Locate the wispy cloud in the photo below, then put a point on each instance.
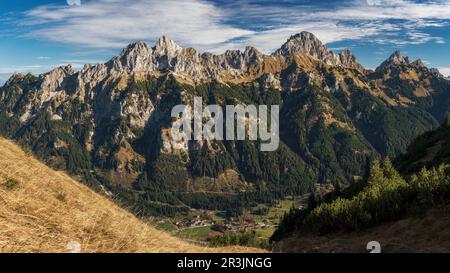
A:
(114, 23)
(397, 22)
(4, 77)
(211, 26)
(74, 2)
(36, 69)
(6, 70)
(445, 71)
(326, 31)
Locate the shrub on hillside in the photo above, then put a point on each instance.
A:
(386, 196)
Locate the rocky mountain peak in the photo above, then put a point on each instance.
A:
(58, 74)
(435, 72)
(14, 78)
(346, 58)
(418, 63)
(166, 46)
(250, 50)
(252, 54)
(305, 37)
(54, 79)
(67, 69)
(304, 43)
(135, 49)
(397, 58)
(394, 60)
(134, 57)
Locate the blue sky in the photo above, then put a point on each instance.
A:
(38, 35)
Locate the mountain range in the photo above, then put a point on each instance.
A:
(109, 124)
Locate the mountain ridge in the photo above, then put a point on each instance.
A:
(110, 123)
(166, 56)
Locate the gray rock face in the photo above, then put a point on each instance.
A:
(53, 87)
(394, 60)
(307, 43)
(188, 63)
(269, 80)
(436, 73)
(135, 57)
(166, 55)
(92, 84)
(138, 108)
(99, 87)
(347, 59)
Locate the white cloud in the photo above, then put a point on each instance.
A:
(4, 77)
(115, 23)
(25, 68)
(269, 40)
(37, 69)
(385, 22)
(73, 2)
(206, 26)
(7, 71)
(444, 71)
(384, 9)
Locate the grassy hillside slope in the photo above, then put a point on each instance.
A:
(427, 234)
(42, 210)
(405, 206)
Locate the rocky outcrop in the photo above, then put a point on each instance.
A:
(395, 59)
(306, 43)
(167, 56)
(347, 59)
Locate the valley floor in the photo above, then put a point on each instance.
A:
(201, 225)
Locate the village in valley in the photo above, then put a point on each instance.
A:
(201, 225)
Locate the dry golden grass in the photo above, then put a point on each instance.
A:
(42, 210)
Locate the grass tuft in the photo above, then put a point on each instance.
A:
(61, 197)
(11, 184)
